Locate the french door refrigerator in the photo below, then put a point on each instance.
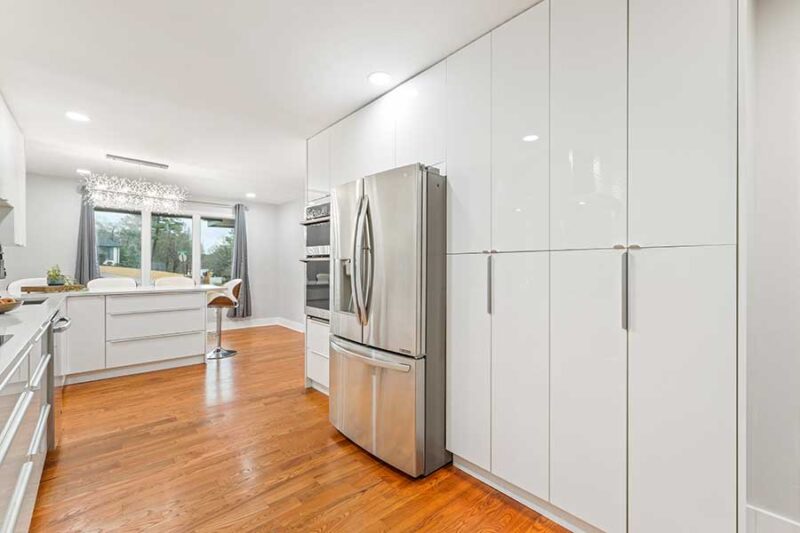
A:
(387, 347)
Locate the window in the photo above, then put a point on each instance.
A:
(216, 241)
(171, 246)
(119, 243)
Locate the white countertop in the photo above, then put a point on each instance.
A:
(24, 323)
(135, 290)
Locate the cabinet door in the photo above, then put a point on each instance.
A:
(588, 387)
(318, 173)
(375, 137)
(468, 358)
(520, 132)
(520, 370)
(682, 389)
(420, 111)
(86, 337)
(682, 122)
(588, 123)
(344, 152)
(469, 148)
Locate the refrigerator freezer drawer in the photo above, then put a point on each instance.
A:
(377, 401)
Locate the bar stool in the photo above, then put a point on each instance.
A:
(226, 298)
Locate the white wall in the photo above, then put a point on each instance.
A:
(274, 235)
(772, 216)
(291, 271)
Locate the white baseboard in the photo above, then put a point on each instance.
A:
(527, 499)
(763, 521)
(107, 373)
(317, 387)
(241, 323)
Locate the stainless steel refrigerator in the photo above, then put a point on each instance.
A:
(387, 348)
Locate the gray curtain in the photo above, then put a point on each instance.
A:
(86, 267)
(239, 267)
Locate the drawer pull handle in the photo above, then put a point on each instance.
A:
(18, 498)
(38, 433)
(12, 426)
(16, 366)
(161, 336)
(152, 311)
(36, 379)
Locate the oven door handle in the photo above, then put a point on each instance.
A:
(314, 259)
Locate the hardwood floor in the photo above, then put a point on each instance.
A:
(240, 445)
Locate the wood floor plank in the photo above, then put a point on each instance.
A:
(240, 445)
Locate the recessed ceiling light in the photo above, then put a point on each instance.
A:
(77, 117)
(251, 195)
(379, 78)
(530, 138)
(83, 172)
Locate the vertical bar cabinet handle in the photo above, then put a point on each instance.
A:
(625, 290)
(489, 284)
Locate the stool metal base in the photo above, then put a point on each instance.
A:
(220, 353)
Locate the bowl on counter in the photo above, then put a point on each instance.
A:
(9, 306)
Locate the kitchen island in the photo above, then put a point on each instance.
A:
(29, 404)
(125, 331)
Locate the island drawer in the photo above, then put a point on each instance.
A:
(148, 350)
(138, 325)
(146, 303)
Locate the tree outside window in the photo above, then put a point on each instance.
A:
(216, 241)
(171, 246)
(119, 243)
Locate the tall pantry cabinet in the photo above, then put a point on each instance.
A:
(591, 162)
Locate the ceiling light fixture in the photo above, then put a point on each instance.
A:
(77, 117)
(83, 171)
(530, 138)
(125, 193)
(134, 161)
(380, 79)
(250, 195)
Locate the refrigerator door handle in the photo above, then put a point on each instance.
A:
(358, 238)
(381, 363)
(368, 246)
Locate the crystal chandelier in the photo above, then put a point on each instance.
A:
(125, 193)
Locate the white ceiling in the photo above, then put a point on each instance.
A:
(225, 92)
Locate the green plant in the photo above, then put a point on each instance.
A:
(54, 275)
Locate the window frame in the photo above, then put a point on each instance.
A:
(141, 234)
(146, 244)
(199, 243)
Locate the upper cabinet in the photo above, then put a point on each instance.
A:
(588, 123)
(419, 108)
(519, 134)
(682, 122)
(12, 180)
(318, 161)
(469, 147)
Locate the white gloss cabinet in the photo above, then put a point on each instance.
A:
(468, 127)
(588, 387)
(520, 370)
(588, 123)
(420, 115)
(520, 132)
(682, 389)
(86, 338)
(318, 169)
(468, 387)
(683, 122)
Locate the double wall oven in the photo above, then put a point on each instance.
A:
(317, 221)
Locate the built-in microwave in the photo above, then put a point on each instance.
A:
(317, 222)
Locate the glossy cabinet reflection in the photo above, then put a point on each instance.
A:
(469, 148)
(588, 387)
(468, 359)
(682, 389)
(588, 123)
(420, 115)
(318, 170)
(520, 136)
(682, 122)
(520, 370)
